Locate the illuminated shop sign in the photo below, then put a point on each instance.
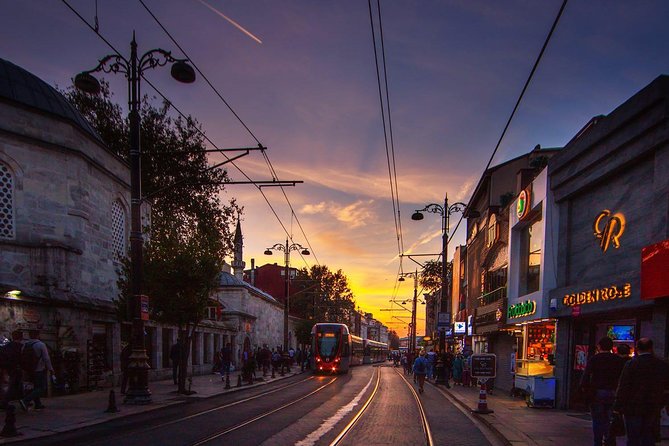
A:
(600, 294)
(521, 309)
(460, 328)
(523, 204)
(608, 229)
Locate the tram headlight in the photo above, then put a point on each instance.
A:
(336, 359)
(318, 359)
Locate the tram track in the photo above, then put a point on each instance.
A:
(339, 438)
(213, 409)
(429, 441)
(237, 426)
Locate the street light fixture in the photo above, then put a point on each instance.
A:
(286, 249)
(445, 211)
(137, 305)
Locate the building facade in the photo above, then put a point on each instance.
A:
(611, 188)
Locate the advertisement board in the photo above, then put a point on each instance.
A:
(484, 365)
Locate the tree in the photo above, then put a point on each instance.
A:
(393, 340)
(322, 295)
(430, 277)
(190, 231)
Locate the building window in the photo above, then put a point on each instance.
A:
(531, 241)
(493, 230)
(7, 228)
(118, 230)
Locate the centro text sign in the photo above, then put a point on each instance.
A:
(484, 365)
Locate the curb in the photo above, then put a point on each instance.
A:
(496, 432)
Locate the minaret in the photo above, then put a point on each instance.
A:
(238, 262)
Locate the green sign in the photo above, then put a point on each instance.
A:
(522, 309)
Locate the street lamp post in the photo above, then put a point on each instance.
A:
(445, 211)
(412, 333)
(137, 305)
(286, 250)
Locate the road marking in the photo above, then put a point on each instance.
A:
(330, 423)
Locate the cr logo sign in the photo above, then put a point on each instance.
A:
(608, 229)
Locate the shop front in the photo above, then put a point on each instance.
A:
(610, 186)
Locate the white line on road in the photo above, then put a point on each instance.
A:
(330, 423)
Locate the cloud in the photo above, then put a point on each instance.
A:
(354, 215)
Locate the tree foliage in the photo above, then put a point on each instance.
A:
(430, 277)
(322, 295)
(393, 340)
(190, 229)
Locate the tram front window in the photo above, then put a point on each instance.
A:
(327, 344)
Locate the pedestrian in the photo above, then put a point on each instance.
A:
(624, 351)
(125, 360)
(640, 394)
(291, 356)
(306, 363)
(598, 384)
(175, 357)
(405, 363)
(431, 362)
(458, 364)
(12, 365)
(36, 362)
(420, 370)
(216, 367)
(466, 369)
(447, 359)
(226, 359)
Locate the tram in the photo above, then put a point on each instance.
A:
(331, 347)
(374, 352)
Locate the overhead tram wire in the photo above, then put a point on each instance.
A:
(520, 98)
(92, 28)
(390, 127)
(273, 173)
(385, 132)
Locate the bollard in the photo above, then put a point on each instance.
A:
(483, 399)
(9, 429)
(227, 381)
(239, 380)
(111, 407)
(273, 376)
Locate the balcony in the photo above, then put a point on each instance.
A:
(493, 296)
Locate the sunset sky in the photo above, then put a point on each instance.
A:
(301, 74)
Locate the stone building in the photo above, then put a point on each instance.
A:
(64, 213)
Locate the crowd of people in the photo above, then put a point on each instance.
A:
(260, 360)
(455, 368)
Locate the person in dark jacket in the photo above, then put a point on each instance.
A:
(15, 383)
(599, 383)
(640, 394)
(175, 357)
(226, 360)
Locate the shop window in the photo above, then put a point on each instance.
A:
(531, 242)
(7, 228)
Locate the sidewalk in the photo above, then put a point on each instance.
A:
(522, 425)
(66, 413)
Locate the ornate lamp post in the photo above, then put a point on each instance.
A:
(412, 336)
(137, 306)
(286, 249)
(445, 211)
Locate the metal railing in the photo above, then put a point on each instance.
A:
(492, 296)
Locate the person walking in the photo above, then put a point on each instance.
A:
(226, 360)
(125, 360)
(420, 370)
(431, 361)
(598, 383)
(458, 364)
(640, 394)
(35, 356)
(13, 367)
(175, 357)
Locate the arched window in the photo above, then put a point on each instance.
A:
(118, 230)
(7, 226)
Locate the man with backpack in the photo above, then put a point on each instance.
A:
(420, 370)
(36, 362)
(11, 362)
